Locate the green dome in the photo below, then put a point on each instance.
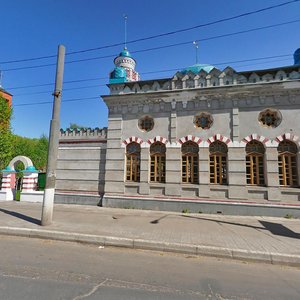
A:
(125, 53)
(197, 68)
(297, 57)
(118, 72)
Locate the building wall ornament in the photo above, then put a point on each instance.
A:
(191, 138)
(130, 140)
(158, 138)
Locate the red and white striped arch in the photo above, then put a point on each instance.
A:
(255, 137)
(190, 138)
(219, 137)
(131, 140)
(158, 138)
(286, 136)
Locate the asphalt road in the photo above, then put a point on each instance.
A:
(42, 269)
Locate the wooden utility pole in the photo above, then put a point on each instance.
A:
(47, 210)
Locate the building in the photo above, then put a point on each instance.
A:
(206, 138)
(4, 94)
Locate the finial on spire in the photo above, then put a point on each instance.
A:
(125, 29)
(196, 44)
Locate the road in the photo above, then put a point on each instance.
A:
(43, 269)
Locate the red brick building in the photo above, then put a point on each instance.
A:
(6, 96)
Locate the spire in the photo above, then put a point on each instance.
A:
(125, 31)
(196, 44)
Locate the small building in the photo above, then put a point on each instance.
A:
(6, 95)
(204, 136)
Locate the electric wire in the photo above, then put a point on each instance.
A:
(157, 48)
(76, 99)
(142, 73)
(161, 34)
(50, 102)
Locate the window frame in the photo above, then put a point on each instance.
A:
(158, 163)
(133, 163)
(287, 164)
(144, 120)
(218, 162)
(255, 162)
(190, 162)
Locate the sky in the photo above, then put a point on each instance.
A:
(35, 28)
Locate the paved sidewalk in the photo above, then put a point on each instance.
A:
(261, 239)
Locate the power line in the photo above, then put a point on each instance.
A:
(142, 73)
(50, 102)
(67, 89)
(52, 83)
(161, 34)
(92, 98)
(161, 47)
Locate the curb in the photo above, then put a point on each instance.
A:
(109, 241)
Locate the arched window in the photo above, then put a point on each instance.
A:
(255, 163)
(158, 162)
(189, 163)
(218, 162)
(133, 158)
(287, 163)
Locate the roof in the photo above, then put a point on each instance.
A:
(4, 91)
(197, 68)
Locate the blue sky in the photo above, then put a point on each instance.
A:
(34, 28)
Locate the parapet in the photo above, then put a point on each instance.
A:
(83, 134)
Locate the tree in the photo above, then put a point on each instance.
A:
(6, 145)
(76, 126)
(35, 149)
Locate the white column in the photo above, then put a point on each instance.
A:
(30, 180)
(8, 186)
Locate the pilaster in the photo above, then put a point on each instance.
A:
(271, 174)
(173, 126)
(144, 175)
(173, 172)
(237, 173)
(204, 189)
(235, 125)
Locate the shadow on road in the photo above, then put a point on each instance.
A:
(274, 228)
(21, 216)
(279, 229)
(156, 221)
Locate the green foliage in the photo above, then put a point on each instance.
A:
(14, 145)
(76, 126)
(35, 149)
(6, 145)
(185, 211)
(288, 216)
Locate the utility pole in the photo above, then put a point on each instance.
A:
(47, 210)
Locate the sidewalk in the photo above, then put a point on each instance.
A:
(260, 239)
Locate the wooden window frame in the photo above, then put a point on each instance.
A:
(218, 169)
(133, 163)
(190, 163)
(287, 164)
(255, 163)
(146, 123)
(158, 163)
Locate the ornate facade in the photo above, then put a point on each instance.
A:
(203, 135)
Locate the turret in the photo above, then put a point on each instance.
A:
(125, 68)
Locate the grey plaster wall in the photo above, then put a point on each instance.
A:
(235, 111)
(81, 163)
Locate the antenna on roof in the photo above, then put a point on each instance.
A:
(196, 44)
(125, 29)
